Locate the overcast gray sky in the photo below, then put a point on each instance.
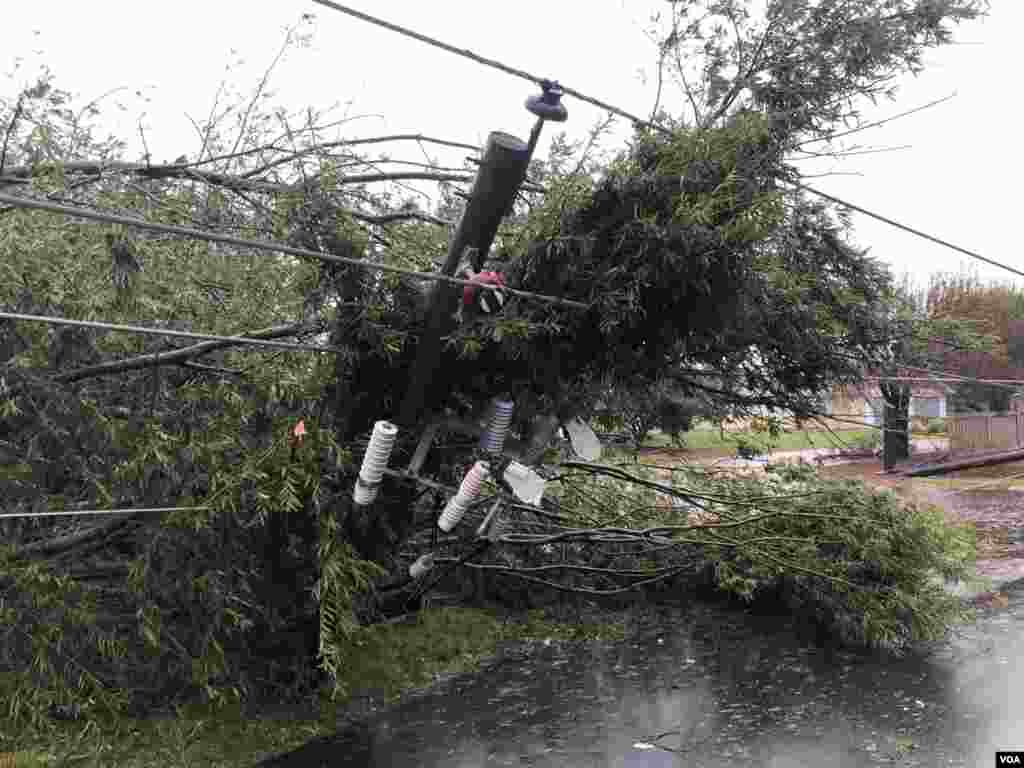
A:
(956, 182)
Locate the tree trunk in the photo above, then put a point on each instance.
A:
(896, 423)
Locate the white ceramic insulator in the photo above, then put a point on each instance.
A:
(379, 451)
(375, 460)
(469, 489)
(423, 564)
(363, 494)
(457, 504)
(493, 440)
(451, 516)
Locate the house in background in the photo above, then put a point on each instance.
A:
(863, 402)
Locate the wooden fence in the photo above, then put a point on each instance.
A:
(985, 431)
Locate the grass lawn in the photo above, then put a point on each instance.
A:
(385, 660)
(711, 441)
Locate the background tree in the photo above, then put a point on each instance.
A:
(641, 410)
(921, 340)
(995, 310)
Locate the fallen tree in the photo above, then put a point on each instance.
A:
(683, 257)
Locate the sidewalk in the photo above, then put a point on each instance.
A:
(831, 455)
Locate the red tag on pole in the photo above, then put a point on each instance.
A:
(297, 433)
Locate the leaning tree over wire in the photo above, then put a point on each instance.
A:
(686, 255)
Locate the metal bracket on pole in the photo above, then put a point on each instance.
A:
(490, 528)
(422, 449)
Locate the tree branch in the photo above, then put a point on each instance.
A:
(51, 547)
(831, 136)
(20, 173)
(390, 218)
(10, 130)
(349, 143)
(177, 356)
(742, 80)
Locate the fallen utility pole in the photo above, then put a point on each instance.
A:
(501, 173)
(976, 461)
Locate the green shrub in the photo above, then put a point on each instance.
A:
(936, 426)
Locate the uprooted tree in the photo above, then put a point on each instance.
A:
(688, 260)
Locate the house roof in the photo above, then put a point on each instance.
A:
(919, 388)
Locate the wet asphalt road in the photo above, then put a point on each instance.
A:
(709, 686)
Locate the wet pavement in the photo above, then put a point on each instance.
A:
(998, 518)
(714, 686)
(921, 447)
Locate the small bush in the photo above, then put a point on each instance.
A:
(869, 441)
(936, 426)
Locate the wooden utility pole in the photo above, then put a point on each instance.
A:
(499, 177)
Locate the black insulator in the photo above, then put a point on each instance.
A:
(548, 105)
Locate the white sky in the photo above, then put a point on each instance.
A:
(956, 182)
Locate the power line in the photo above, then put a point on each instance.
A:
(102, 512)
(86, 213)
(481, 60)
(905, 228)
(951, 375)
(166, 332)
(877, 123)
(641, 122)
(947, 379)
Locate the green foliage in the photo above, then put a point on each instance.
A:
(862, 560)
(936, 426)
(599, 499)
(808, 65)
(660, 245)
(859, 561)
(707, 440)
(55, 649)
(343, 577)
(564, 193)
(719, 182)
(193, 590)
